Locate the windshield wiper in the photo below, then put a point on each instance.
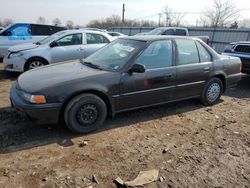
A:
(37, 43)
(89, 64)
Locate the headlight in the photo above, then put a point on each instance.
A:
(37, 99)
(15, 54)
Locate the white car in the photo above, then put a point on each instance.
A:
(62, 46)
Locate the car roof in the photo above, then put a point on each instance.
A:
(150, 38)
(38, 24)
(171, 28)
(84, 31)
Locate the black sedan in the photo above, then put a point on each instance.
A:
(129, 73)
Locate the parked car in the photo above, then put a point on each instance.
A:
(61, 46)
(116, 34)
(24, 33)
(127, 74)
(241, 50)
(179, 31)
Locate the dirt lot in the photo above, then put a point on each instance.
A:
(203, 146)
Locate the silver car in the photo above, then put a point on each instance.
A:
(61, 46)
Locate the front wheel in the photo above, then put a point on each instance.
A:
(85, 113)
(212, 92)
(34, 63)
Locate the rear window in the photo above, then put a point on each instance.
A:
(168, 32)
(203, 53)
(186, 52)
(180, 32)
(44, 30)
(242, 48)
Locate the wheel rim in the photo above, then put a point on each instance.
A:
(213, 92)
(87, 114)
(35, 64)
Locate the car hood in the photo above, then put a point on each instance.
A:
(38, 79)
(23, 47)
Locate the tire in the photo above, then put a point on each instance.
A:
(212, 92)
(34, 63)
(85, 113)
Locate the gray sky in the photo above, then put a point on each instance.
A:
(82, 11)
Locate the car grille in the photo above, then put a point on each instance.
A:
(242, 48)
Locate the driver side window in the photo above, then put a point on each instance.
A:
(157, 55)
(73, 39)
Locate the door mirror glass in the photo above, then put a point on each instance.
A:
(139, 68)
(53, 44)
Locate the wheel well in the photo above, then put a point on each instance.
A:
(37, 57)
(95, 92)
(223, 80)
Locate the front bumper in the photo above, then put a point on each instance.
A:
(41, 113)
(14, 64)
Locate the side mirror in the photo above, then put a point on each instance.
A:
(53, 44)
(139, 68)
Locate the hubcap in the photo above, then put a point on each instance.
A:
(35, 64)
(87, 114)
(213, 92)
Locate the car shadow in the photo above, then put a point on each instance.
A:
(242, 90)
(18, 133)
(4, 75)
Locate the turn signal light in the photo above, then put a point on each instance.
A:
(38, 99)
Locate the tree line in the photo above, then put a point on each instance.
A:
(221, 14)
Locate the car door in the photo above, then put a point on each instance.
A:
(94, 42)
(157, 84)
(193, 68)
(68, 47)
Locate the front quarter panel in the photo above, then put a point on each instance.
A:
(107, 83)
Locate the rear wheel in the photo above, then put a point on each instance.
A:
(85, 113)
(34, 63)
(212, 92)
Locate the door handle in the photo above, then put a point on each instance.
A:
(206, 69)
(168, 76)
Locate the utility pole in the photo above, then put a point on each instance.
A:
(167, 18)
(123, 11)
(160, 15)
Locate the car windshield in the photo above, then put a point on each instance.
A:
(115, 55)
(51, 38)
(156, 31)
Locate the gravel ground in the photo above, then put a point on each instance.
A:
(191, 145)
